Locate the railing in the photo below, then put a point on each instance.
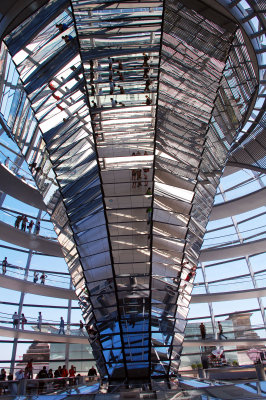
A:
(21, 173)
(8, 217)
(68, 385)
(52, 278)
(47, 326)
(231, 332)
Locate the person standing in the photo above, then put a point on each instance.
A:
(37, 228)
(42, 278)
(30, 226)
(2, 378)
(92, 373)
(202, 331)
(19, 374)
(72, 373)
(61, 326)
(15, 318)
(18, 220)
(23, 321)
(24, 223)
(4, 265)
(39, 321)
(42, 375)
(29, 367)
(35, 277)
(221, 334)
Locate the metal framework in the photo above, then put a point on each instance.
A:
(138, 105)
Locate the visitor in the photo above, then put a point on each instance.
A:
(113, 102)
(92, 373)
(61, 326)
(67, 38)
(30, 226)
(37, 227)
(42, 278)
(30, 368)
(4, 265)
(18, 220)
(39, 321)
(92, 90)
(110, 63)
(139, 176)
(72, 373)
(148, 101)
(2, 378)
(148, 191)
(23, 321)
(149, 213)
(94, 105)
(42, 375)
(120, 64)
(61, 27)
(50, 373)
(19, 374)
(50, 384)
(122, 91)
(221, 334)
(24, 223)
(112, 86)
(147, 86)
(35, 277)
(64, 374)
(134, 177)
(58, 372)
(145, 60)
(202, 331)
(15, 318)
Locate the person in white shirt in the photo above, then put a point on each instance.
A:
(19, 375)
(15, 318)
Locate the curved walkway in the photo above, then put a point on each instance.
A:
(20, 285)
(30, 241)
(230, 342)
(42, 336)
(20, 190)
(240, 205)
(55, 338)
(227, 296)
(9, 282)
(239, 250)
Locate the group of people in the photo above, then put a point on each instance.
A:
(61, 372)
(18, 319)
(221, 335)
(117, 71)
(137, 173)
(22, 319)
(42, 277)
(23, 220)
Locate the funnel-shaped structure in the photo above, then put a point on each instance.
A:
(138, 105)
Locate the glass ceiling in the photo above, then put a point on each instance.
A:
(138, 108)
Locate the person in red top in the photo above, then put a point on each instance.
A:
(64, 374)
(72, 373)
